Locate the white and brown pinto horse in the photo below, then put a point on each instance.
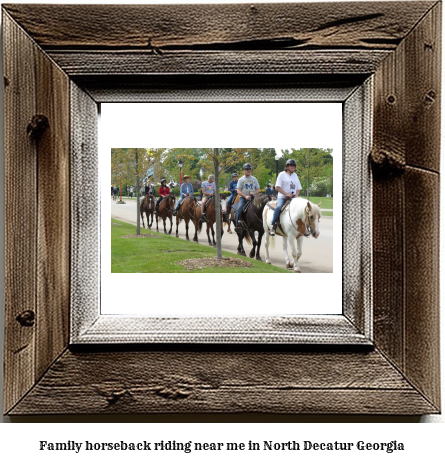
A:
(298, 220)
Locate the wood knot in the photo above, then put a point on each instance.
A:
(26, 318)
(387, 162)
(5, 81)
(429, 46)
(173, 393)
(37, 126)
(391, 99)
(113, 394)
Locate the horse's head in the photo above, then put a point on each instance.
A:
(313, 214)
(261, 200)
(171, 200)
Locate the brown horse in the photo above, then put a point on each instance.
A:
(165, 211)
(147, 206)
(252, 220)
(189, 211)
(211, 220)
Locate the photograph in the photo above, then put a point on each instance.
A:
(260, 197)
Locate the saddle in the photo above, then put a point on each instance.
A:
(273, 205)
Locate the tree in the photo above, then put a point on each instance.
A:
(131, 164)
(262, 174)
(217, 160)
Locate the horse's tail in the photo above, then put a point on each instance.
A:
(246, 236)
(200, 226)
(272, 241)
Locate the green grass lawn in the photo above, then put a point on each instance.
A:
(326, 202)
(161, 253)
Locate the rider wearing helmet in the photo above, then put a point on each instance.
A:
(247, 187)
(233, 193)
(287, 185)
(164, 191)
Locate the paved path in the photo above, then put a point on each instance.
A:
(317, 253)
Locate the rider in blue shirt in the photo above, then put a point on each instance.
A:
(186, 190)
(233, 192)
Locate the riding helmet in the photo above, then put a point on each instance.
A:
(234, 174)
(162, 180)
(247, 166)
(292, 162)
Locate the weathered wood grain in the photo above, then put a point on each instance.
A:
(407, 132)
(423, 91)
(53, 203)
(85, 211)
(153, 27)
(422, 292)
(221, 382)
(20, 213)
(78, 63)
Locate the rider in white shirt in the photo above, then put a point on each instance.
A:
(287, 185)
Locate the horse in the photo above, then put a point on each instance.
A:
(211, 220)
(165, 211)
(252, 221)
(190, 210)
(299, 219)
(148, 206)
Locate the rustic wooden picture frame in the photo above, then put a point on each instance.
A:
(78, 56)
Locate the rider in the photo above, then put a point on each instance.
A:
(233, 193)
(149, 189)
(186, 191)
(287, 185)
(268, 190)
(164, 191)
(247, 187)
(207, 189)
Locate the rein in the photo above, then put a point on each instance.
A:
(306, 222)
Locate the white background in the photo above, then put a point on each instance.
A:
(287, 125)
(424, 443)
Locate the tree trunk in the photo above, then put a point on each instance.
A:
(217, 205)
(138, 191)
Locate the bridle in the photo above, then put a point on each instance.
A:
(309, 229)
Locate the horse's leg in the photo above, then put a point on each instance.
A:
(171, 223)
(157, 224)
(300, 248)
(254, 243)
(260, 237)
(164, 220)
(208, 233)
(177, 225)
(289, 264)
(195, 222)
(293, 246)
(213, 237)
(266, 245)
(142, 216)
(187, 229)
